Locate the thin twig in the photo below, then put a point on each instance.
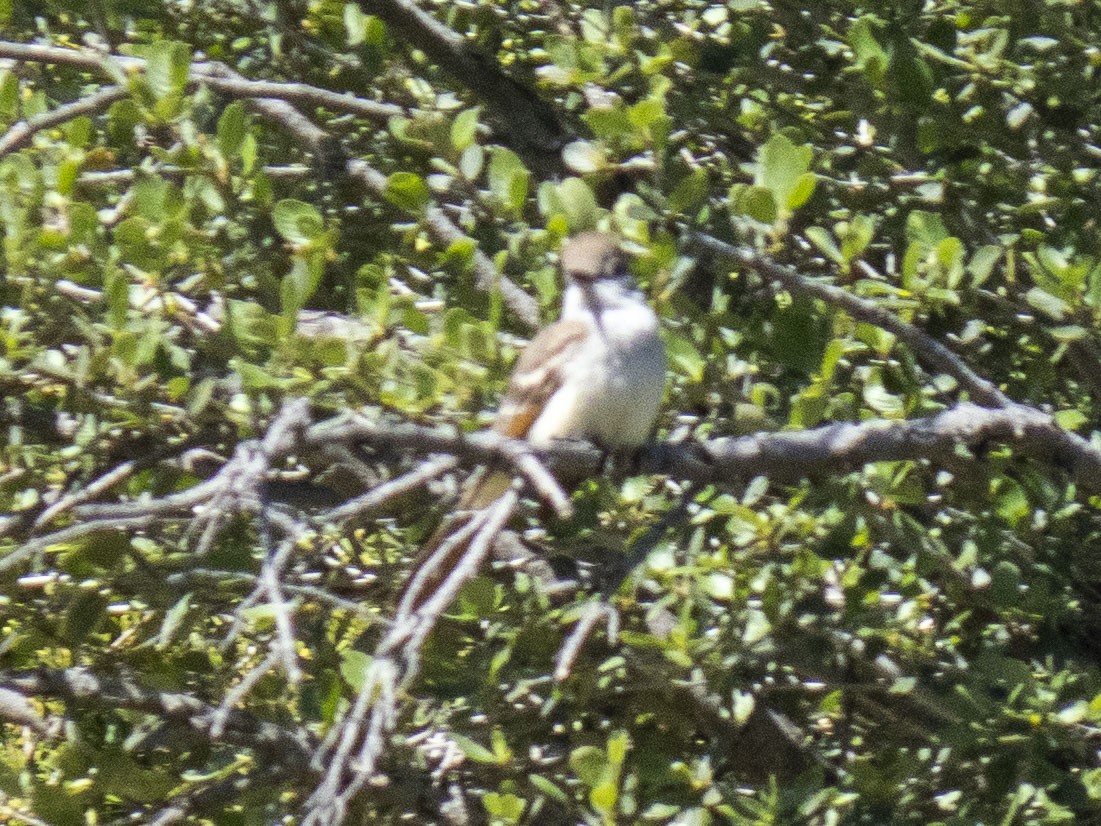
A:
(93, 489)
(21, 133)
(32, 547)
(116, 177)
(238, 693)
(381, 495)
(284, 644)
(597, 608)
(79, 684)
(396, 662)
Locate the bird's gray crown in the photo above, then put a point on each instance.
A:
(593, 256)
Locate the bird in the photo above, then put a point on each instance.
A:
(597, 373)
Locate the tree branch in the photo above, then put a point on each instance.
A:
(80, 684)
(442, 229)
(782, 457)
(217, 76)
(518, 112)
(927, 349)
(20, 134)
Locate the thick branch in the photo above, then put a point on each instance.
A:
(518, 112)
(783, 457)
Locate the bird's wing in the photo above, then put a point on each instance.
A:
(538, 373)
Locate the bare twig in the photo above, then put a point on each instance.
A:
(313, 592)
(93, 489)
(29, 549)
(284, 645)
(238, 693)
(396, 663)
(379, 496)
(214, 74)
(17, 709)
(596, 609)
(116, 177)
(224, 791)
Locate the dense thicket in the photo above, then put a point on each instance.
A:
(869, 581)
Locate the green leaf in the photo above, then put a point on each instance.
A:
(78, 132)
(684, 357)
(407, 190)
(300, 283)
(1050, 305)
(464, 129)
(508, 178)
(298, 222)
(870, 55)
(1005, 584)
(548, 788)
(588, 763)
(1010, 501)
(168, 64)
(742, 705)
(474, 750)
(882, 401)
(576, 201)
(232, 128)
(618, 745)
(355, 24)
(756, 628)
(506, 808)
(801, 192)
(472, 161)
(9, 96)
(759, 204)
(690, 192)
(982, 263)
(1070, 419)
(604, 797)
(925, 228)
(583, 157)
(353, 668)
(783, 170)
(821, 238)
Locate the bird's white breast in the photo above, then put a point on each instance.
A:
(613, 387)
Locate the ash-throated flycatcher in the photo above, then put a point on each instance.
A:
(597, 373)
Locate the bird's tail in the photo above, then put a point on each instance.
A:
(442, 551)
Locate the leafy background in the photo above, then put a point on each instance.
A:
(913, 642)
